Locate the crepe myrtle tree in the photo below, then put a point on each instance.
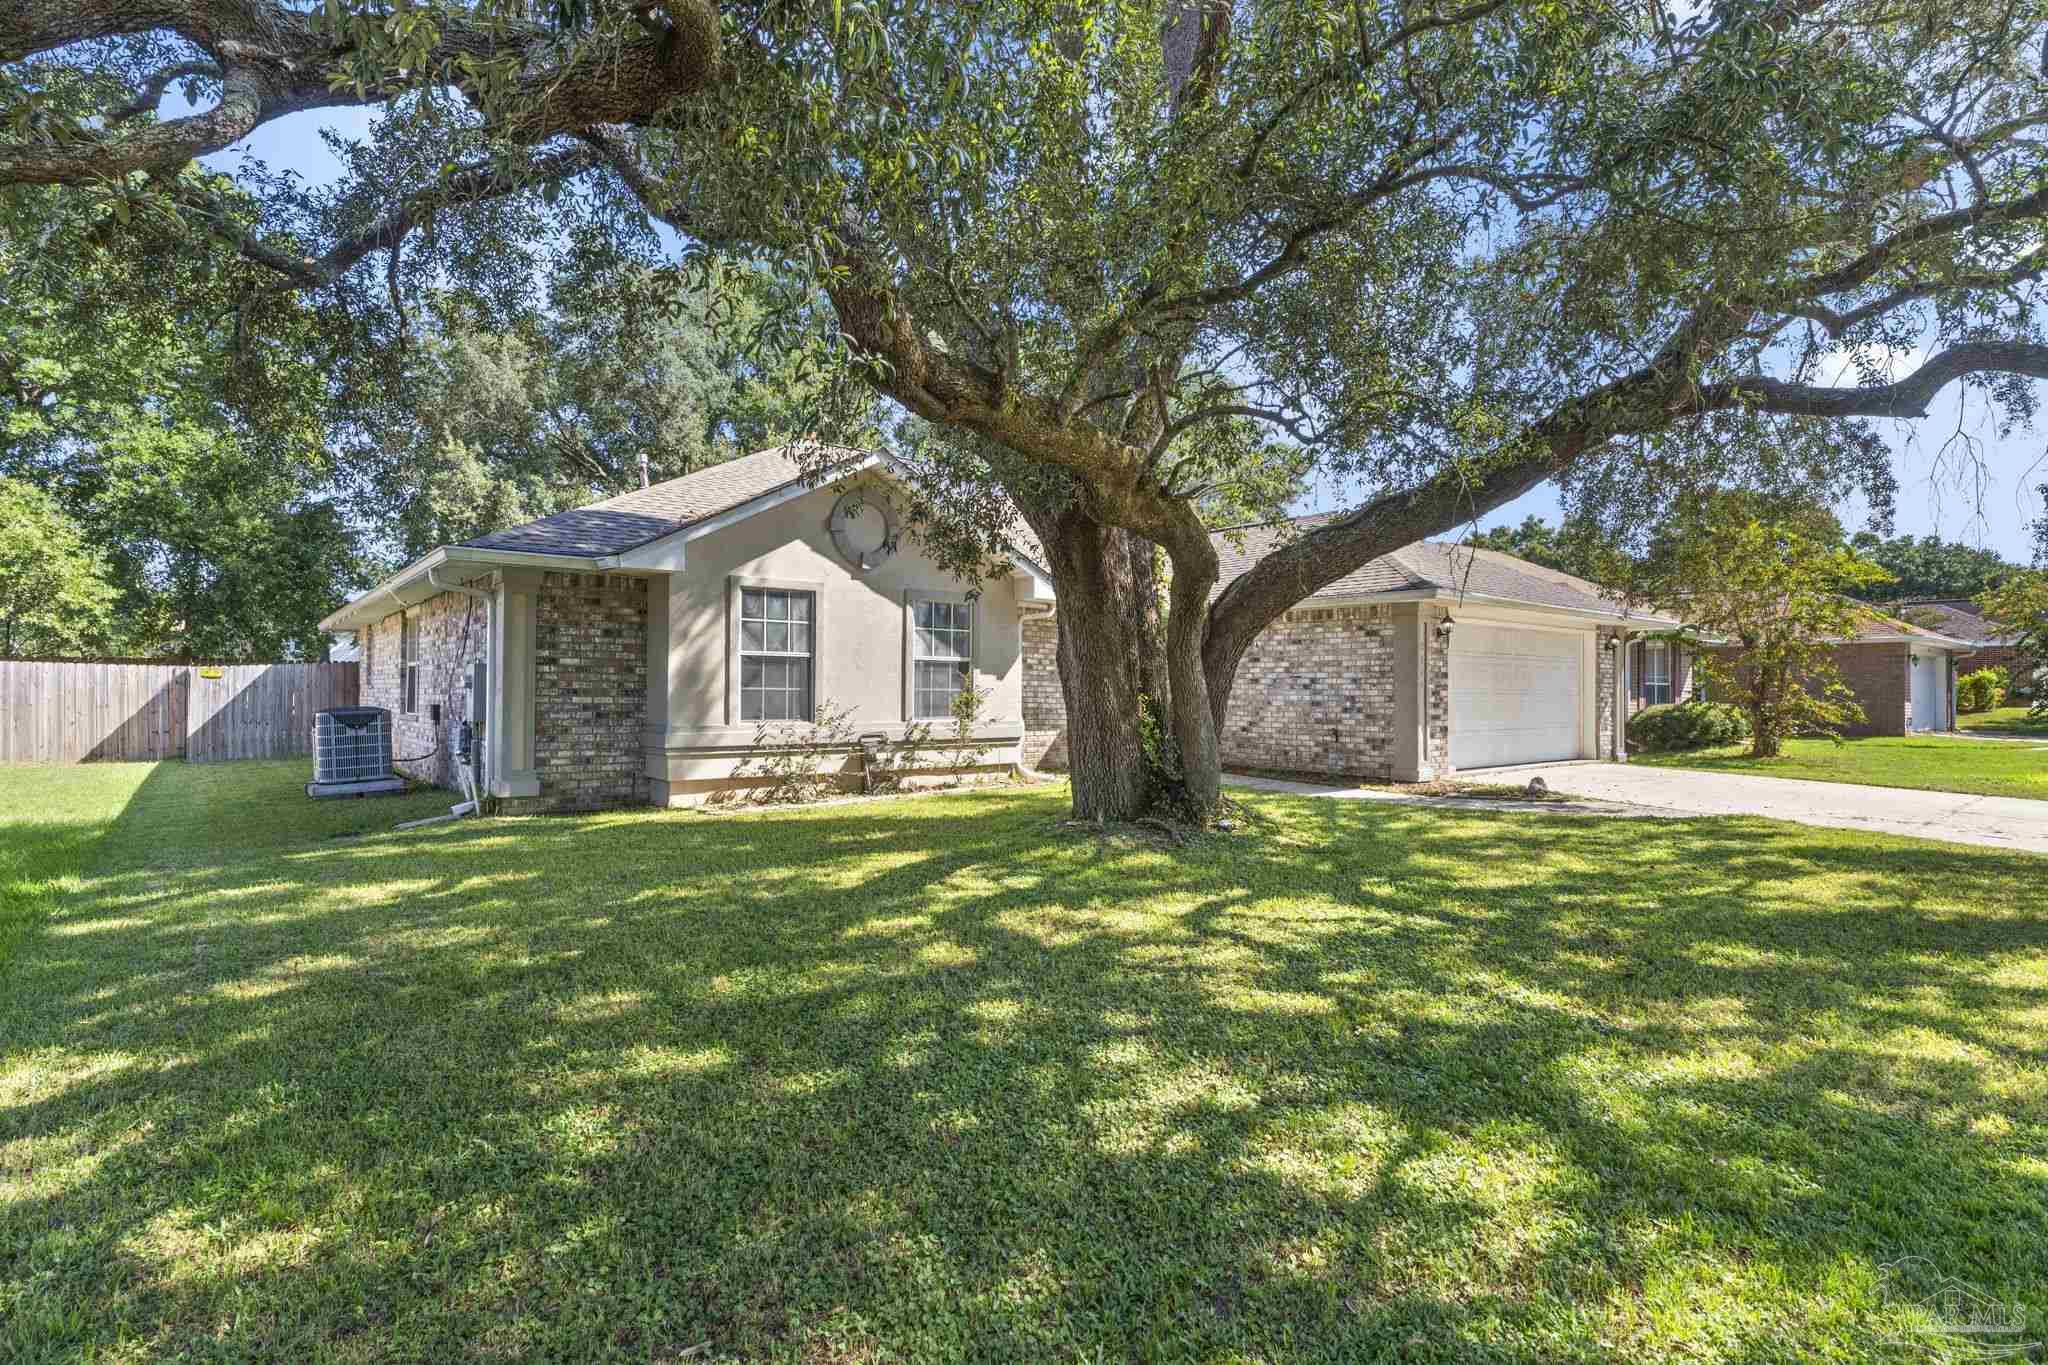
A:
(1768, 585)
(1125, 259)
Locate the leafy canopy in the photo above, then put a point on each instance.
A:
(54, 593)
(1766, 585)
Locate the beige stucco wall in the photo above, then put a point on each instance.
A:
(695, 734)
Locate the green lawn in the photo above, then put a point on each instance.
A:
(2005, 720)
(1942, 765)
(943, 1079)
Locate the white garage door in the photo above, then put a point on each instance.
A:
(1514, 695)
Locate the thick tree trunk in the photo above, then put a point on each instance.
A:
(1196, 719)
(1103, 663)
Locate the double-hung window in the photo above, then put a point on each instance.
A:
(1656, 672)
(776, 632)
(941, 656)
(409, 662)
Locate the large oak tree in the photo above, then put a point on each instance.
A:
(1113, 253)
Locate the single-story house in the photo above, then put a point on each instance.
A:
(1437, 659)
(629, 651)
(634, 650)
(1902, 675)
(1960, 618)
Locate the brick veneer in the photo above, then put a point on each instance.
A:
(1606, 662)
(590, 690)
(1995, 656)
(454, 628)
(1879, 676)
(589, 687)
(1315, 693)
(1045, 704)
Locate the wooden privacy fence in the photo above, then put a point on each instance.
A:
(80, 712)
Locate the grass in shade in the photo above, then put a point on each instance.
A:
(944, 1079)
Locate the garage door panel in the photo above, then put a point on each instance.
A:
(1515, 695)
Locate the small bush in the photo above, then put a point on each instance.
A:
(1983, 690)
(1686, 725)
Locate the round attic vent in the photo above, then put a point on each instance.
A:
(864, 528)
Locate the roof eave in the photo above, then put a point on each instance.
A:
(414, 583)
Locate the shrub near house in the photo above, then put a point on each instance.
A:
(1983, 690)
(1687, 725)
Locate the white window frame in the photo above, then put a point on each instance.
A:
(912, 657)
(1660, 651)
(408, 663)
(736, 586)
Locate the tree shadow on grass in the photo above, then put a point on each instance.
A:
(945, 1080)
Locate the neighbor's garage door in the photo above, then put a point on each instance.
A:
(1514, 695)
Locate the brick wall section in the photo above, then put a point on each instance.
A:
(1996, 656)
(1878, 675)
(1045, 704)
(1315, 693)
(590, 690)
(1607, 665)
(1436, 684)
(454, 629)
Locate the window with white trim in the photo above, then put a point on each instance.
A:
(776, 632)
(409, 662)
(941, 656)
(1656, 672)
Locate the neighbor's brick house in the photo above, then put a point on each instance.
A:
(1903, 676)
(1960, 618)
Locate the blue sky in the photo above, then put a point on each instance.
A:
(1986, 500)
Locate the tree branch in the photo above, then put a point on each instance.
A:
(1904, 398)
(152, 92)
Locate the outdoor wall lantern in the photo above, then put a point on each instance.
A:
(1443, 628)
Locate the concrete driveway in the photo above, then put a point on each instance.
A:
(2011, 822)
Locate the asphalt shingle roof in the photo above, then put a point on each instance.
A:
(1872, 624)
(1956, 617)
(631, 519)
(1429, 564)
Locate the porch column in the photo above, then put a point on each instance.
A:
(655, 720)
(1409, 737)
(508, 736)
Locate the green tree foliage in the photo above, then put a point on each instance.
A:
(1765, 584)
(478, 422)
(1928, 566)
(54, 594)
(176, 415)
(2020, 604)
(1535, 540)
(1112, 252)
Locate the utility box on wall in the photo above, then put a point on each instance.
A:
(476, 703)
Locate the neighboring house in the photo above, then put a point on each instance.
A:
(1903, 675)
(1960, 618)
(1435, 659)
(631, 650)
